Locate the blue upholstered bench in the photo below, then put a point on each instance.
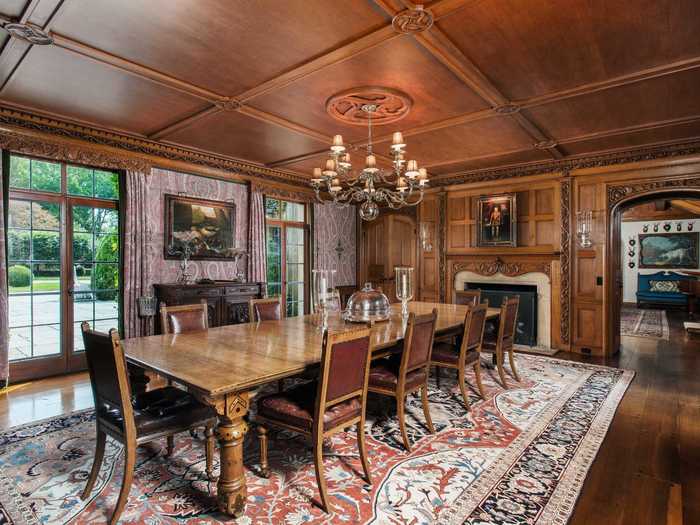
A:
(645, 295)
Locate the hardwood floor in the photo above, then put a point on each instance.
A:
(647, 471)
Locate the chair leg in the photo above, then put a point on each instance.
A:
(320, 478)
(501, 371)
(400, 409)
(437, 376)
(363, 449)
(96, 463)
(479, 384)
(210, 447)
(129, 465)
(264, 466)
(426, 408)
(462, 386)
(512, 365)
(171, 445)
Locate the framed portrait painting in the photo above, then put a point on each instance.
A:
(207, 227)
(668, 250)
(496, 221)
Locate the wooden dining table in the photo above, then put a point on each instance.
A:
(224, 366)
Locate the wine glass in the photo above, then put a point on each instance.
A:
(404, 287)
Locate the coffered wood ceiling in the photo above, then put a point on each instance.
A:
(493, 83)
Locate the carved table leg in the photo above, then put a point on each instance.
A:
(232, 428)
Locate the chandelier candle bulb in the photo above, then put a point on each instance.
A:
(397, 140)
(371, 161)
(422, 176)
(338, 144)
(401, 184)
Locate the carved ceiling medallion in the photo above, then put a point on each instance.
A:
(29, 33)
(391, 105)
(413, 20)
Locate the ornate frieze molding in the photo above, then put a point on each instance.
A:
(71, 153)
(282, 193)
(140, 146)
(565, 260)
(616, 193)
(498, 265)
(595, 161)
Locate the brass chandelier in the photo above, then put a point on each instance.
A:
(372, 187)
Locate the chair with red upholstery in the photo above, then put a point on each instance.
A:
(266, 309)
(184, 318)
(318, 409)
(505, 339)
(468, 352)
(135, 420)
(402, 374)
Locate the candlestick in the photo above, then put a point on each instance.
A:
(338, 144)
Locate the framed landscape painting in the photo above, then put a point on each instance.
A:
(668, 250)
(206, 227)
(496, 221)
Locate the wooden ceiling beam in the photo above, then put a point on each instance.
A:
(477, 157)
(339, 54)
(132, 68)
(686, 205)
(284, 123)
(184, 122)
(15, 49)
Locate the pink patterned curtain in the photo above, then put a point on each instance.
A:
(4, 331)
(257, 267)
(136, 243)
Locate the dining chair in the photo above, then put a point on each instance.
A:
(266, 309)
(345, 293)
(467, 297)
(402, 374)
(334, 402)
(135, 420)
(184, 318)
(505, 339)
(467, 352)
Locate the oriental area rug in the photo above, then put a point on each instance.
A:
(644, 323)
(520, 456)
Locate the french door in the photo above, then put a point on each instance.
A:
(287, 254)
(63, 263)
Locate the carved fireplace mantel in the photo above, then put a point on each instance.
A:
(498, 265)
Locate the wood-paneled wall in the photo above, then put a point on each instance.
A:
(582, 280)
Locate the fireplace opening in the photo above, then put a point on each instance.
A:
(526, 323)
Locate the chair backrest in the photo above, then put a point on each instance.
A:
(108, 373)
(267, 309)
(345, 293)
(474, 324)
(506, 327)
(418, 342)
(184, 318)
(468, 297)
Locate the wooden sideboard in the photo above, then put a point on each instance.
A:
(227, 301)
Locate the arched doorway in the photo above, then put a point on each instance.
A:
(621, 198)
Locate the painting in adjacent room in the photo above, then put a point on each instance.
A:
(670, 250)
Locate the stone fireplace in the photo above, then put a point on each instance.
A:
(510, 274)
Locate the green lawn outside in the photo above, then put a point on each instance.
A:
(46, 284)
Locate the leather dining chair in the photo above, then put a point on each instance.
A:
(184, 318)
(318, 409)
(467, 297)
(505, 339)
(135, 420)
(402, 374)
(266, 309)
(467, 352)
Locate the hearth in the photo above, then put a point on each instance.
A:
(526, 325)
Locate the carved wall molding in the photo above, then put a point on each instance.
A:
(140, 146)
(71, 153)
(595, 161)
(442, 247)
(617, 193)
(346, 106)
(565, 261)
(282, 193)
(413, 21)
(498, 265)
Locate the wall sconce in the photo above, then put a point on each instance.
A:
(584, 223)
(426, 236)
